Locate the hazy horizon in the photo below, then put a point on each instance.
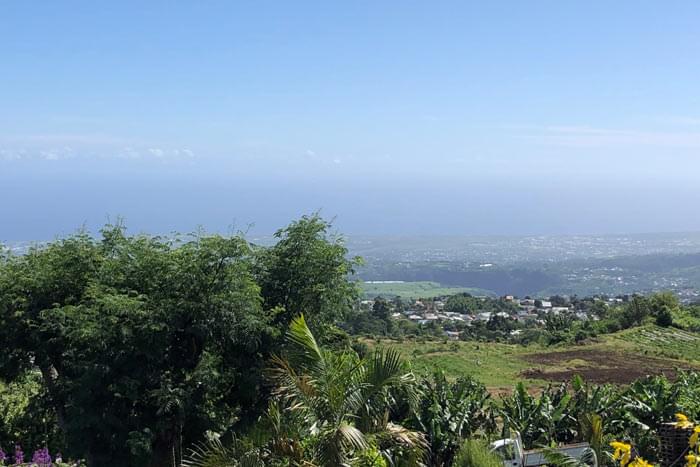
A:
(358, 208)
(498, 118)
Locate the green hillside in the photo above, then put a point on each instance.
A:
(616, 358)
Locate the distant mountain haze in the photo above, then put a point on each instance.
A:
(39, 205)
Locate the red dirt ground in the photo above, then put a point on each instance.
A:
(601, 366)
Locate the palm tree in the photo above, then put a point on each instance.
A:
(345, 403)
(214, 453)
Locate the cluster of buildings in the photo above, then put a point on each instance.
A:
(532, 309)
(527, 311)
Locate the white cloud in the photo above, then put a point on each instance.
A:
(49, 155)
(10, 155)
(129, 153)
(55, 153)
(53, 147)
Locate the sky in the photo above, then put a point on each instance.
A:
(411, 117)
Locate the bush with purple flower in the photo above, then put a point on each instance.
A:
(19, 455)
(42, 458)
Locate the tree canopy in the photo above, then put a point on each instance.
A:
(143, 343)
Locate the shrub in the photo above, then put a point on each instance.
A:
(664, 318)
(475, 453)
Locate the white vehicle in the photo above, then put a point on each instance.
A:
(513, 455)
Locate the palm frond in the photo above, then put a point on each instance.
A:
(560, 459)
(304, 351)
(384, 373)
(405, 437)
(213, 453)
(295, 389)
(385, 366)
(337, 444)
(350, 437)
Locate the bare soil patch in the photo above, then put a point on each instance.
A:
(599, 366)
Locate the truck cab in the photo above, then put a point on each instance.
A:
(510, 450)
(513, 455)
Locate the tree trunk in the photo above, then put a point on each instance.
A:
(50, 375)
(166, 450)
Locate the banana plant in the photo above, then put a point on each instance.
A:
(450, 411)
(541, 420)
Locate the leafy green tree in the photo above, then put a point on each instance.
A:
(664, 317)
(398, 304)
(358, 322)
(381, 309)
(26, 416)
(634, 312)
(306, 271)
(143, 343)
(662, 306)
(500, 323)
(597, 308)
(382, 312)
(558, 300)
(462, 303)
(663, 300)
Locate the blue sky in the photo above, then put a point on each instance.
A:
(414, 117)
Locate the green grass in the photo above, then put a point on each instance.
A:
(496, 365)
(476, 453)
(686, 318)
(500, 366)
(657, 341)
(421, 289)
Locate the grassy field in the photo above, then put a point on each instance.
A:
(662, 342)
(615, 358)
(496, 365)
(421, 289)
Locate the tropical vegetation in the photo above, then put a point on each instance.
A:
(206, 350)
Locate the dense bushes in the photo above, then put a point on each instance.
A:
(142, 344)
(450, 411)
(392, 415)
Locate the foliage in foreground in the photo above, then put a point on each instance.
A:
(144, 343)
(335, 408)
(476, 453)
(449, 412)
(329, 409)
